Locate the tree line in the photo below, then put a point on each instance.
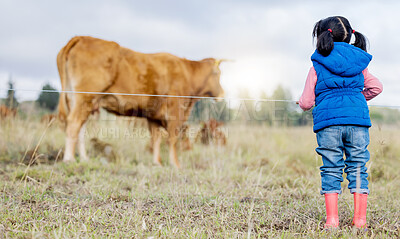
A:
(45, 100)
(277, 109)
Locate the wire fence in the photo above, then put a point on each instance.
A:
(177, 96)
(152, 95)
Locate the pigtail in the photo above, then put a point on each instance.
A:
(361, 41)
(316, 28)
(325, 43)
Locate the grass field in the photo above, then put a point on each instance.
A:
(264, 183)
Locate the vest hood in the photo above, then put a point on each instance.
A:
(344, 60)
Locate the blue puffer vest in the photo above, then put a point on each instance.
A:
(338, 97)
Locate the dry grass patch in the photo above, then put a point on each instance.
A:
(264, 183)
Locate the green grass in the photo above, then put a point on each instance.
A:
(264, 183)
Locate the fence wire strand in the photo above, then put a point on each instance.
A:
(148, 95)
(175, 96)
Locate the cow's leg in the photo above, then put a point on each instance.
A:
(75, 120)
(155, 141)
(180, 111)
(81, 142)
(173, 131)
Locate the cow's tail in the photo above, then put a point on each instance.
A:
(62, 60)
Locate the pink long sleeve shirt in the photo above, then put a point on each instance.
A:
(372, 88)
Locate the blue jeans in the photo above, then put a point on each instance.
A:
(333, 142)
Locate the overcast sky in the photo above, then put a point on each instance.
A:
(270, 41)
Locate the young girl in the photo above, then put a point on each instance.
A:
(339, 85)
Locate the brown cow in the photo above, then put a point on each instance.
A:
(95, 65)
(7, 112)
(210, 133)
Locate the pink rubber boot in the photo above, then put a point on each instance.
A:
(331, 204)
(360, 210)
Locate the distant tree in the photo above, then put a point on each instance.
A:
(206, 109)
(246, 107)
(385, 115)
(377, 115)
(48, 100)
(197, 111)
(221, 111)
(282, 108)
(11, 101)
(264, 110)
(283, 112)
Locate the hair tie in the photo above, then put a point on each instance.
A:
(330, 30)
(354, 31)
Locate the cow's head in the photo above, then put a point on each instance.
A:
(212, 84)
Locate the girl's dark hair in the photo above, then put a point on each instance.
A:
(336, 29)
